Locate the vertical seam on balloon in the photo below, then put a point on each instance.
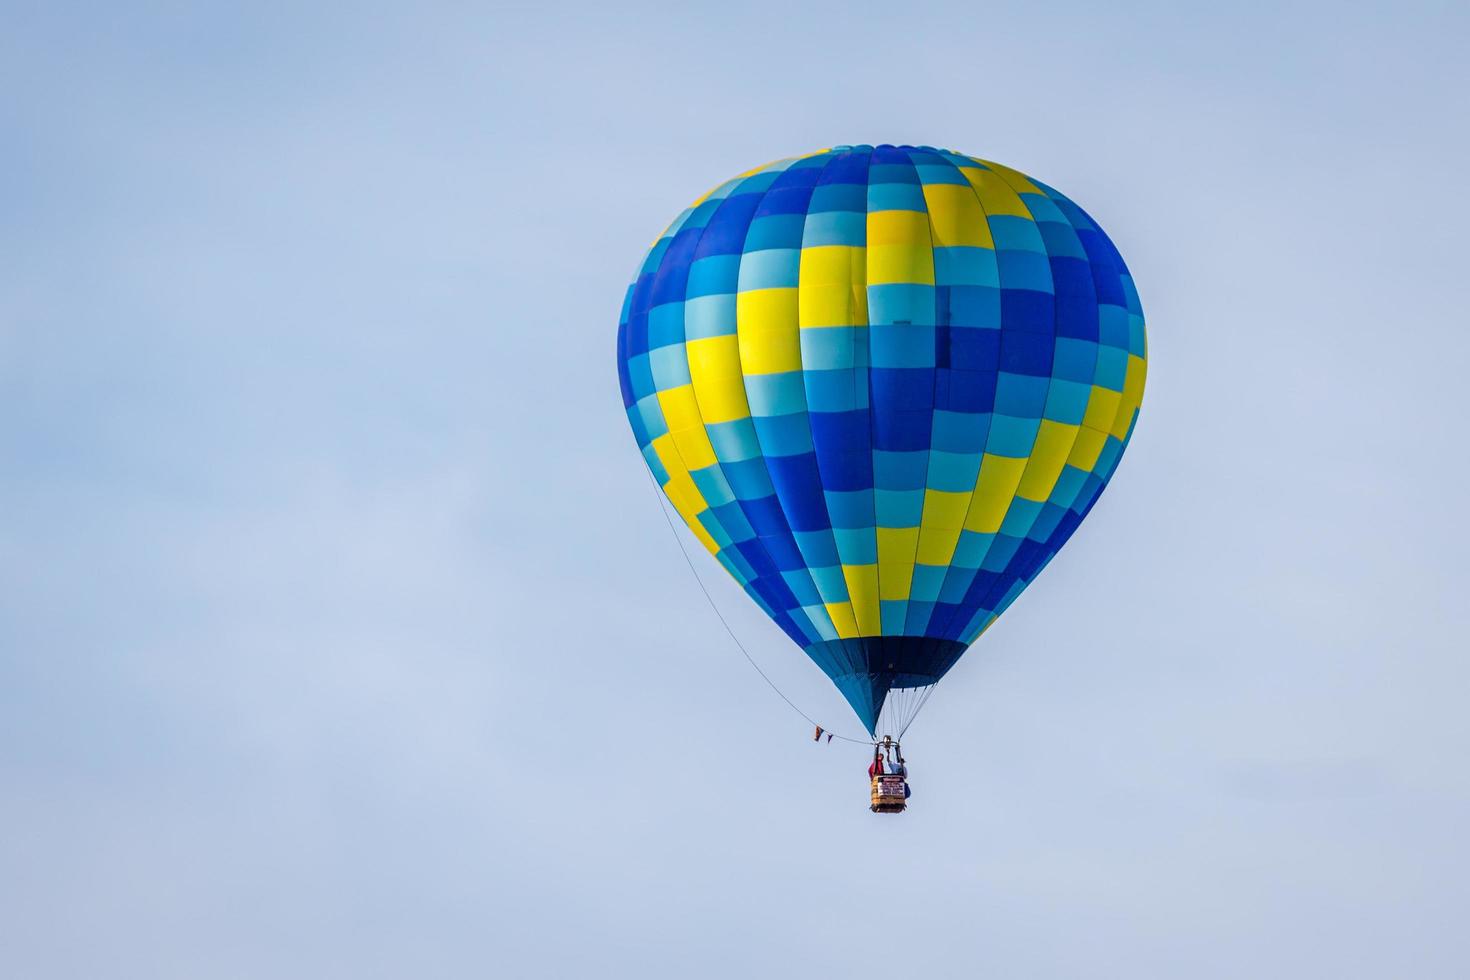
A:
(756, 429)
(684, 326)
(990, 434)
(675, 227)
(923, 628)
(801, 369)
(942, 627)
(740, 502)
(866, 376)
(995, 593)
(831, 530)
(933, 392)
(995, 596)
(1122, 269)
(748, 586)
(872, 411)
(1092, 273)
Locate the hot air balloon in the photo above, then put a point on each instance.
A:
(882, 386)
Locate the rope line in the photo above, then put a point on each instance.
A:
(923, 699)
(663, 509)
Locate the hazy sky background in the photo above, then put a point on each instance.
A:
(340, 634)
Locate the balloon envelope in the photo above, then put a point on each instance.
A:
(882, 386)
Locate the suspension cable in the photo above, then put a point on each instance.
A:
(663, 509)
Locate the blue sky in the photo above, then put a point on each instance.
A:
(340, 634)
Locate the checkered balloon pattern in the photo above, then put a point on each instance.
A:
(882, 386)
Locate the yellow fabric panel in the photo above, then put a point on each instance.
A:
(996, 196)
(703, 537)
(722, 399)
(833, 286)
(896, 547)
(862, 590)
(1087, 448)
(1132, 395)
(681, 413)
(1102, 409)
(937, 544)
(713, 357)
(955, 217)
(831, 265)
(680, 488)
(895, 579)
(900, 264)
(834, 306)
(897, 544)
(995, 488)
(682, 492)
(688, 501)
(766, 326)
(757, 306)
(1053, 445)
(770, 348)
(719, 387)
(898, 228)
(842, 619)
(1018, 181)
(695, 448)
(668, 453)
(684, 495)
(899, 249)
(943, 508)
(679, 408)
